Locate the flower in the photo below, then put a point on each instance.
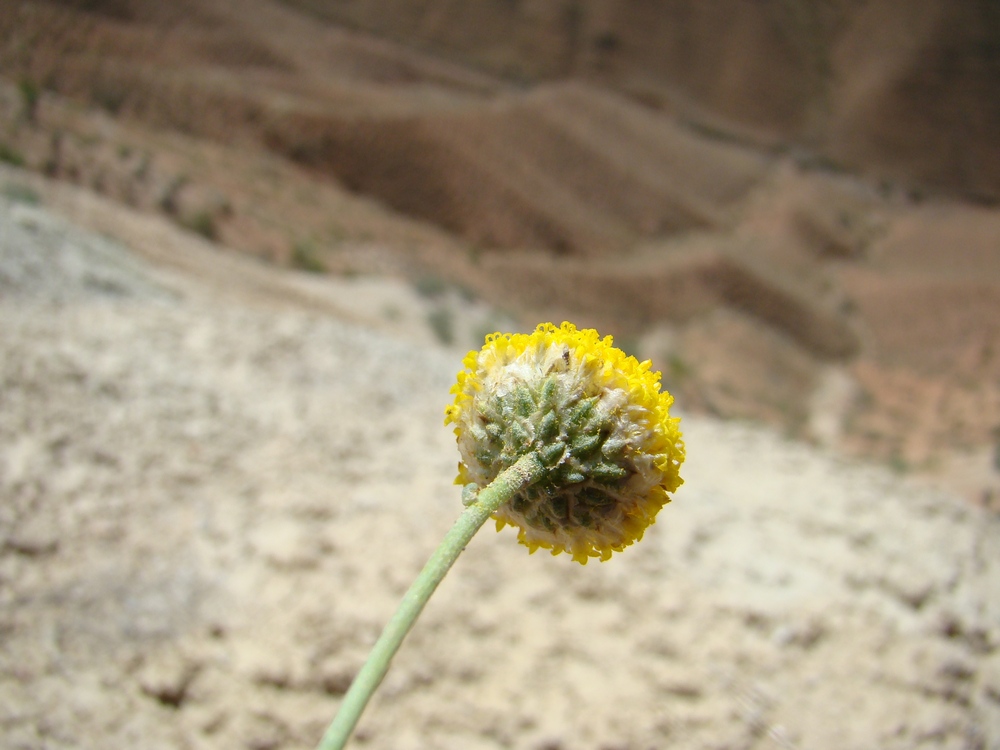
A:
(598, 422)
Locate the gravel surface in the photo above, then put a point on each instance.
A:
(208, 509)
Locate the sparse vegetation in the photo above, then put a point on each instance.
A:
(202, 223)
(711, 131)
(898, 463)
(9, 155)
(30, 94)
(168, 199)
(143, 167)
(678, 370)
(442, 322)
(430, 287)
(21, 194)
(109, 95)
(306, 258)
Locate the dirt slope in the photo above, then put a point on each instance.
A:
(570, 168)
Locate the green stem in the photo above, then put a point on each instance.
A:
(525, 472)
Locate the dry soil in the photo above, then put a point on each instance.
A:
(211, 502)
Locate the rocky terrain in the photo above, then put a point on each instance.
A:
(213, 499)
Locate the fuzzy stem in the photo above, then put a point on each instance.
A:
(525, 472)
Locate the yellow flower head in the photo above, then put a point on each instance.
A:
(598, 422)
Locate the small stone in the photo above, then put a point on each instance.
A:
(34, 538)
(989, 679)
(167, 678)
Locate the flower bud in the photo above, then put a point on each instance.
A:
(597, 421)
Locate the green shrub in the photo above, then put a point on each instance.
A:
(30, 94)
(202, 223)
(9, 155)
(677, 368)
(305, 258)
(430, 287)
(442, 322)
(21, 194)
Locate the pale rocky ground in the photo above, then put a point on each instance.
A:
(215, 488)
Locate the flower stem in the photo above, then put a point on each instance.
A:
(525, 472)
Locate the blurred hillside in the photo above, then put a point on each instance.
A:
(909, 90)
(790, 207)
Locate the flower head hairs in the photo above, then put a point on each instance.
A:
(561, 435)
(594, 416)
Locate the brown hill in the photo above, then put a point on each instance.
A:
(908, 90)
(752, 276)
(569, 168)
